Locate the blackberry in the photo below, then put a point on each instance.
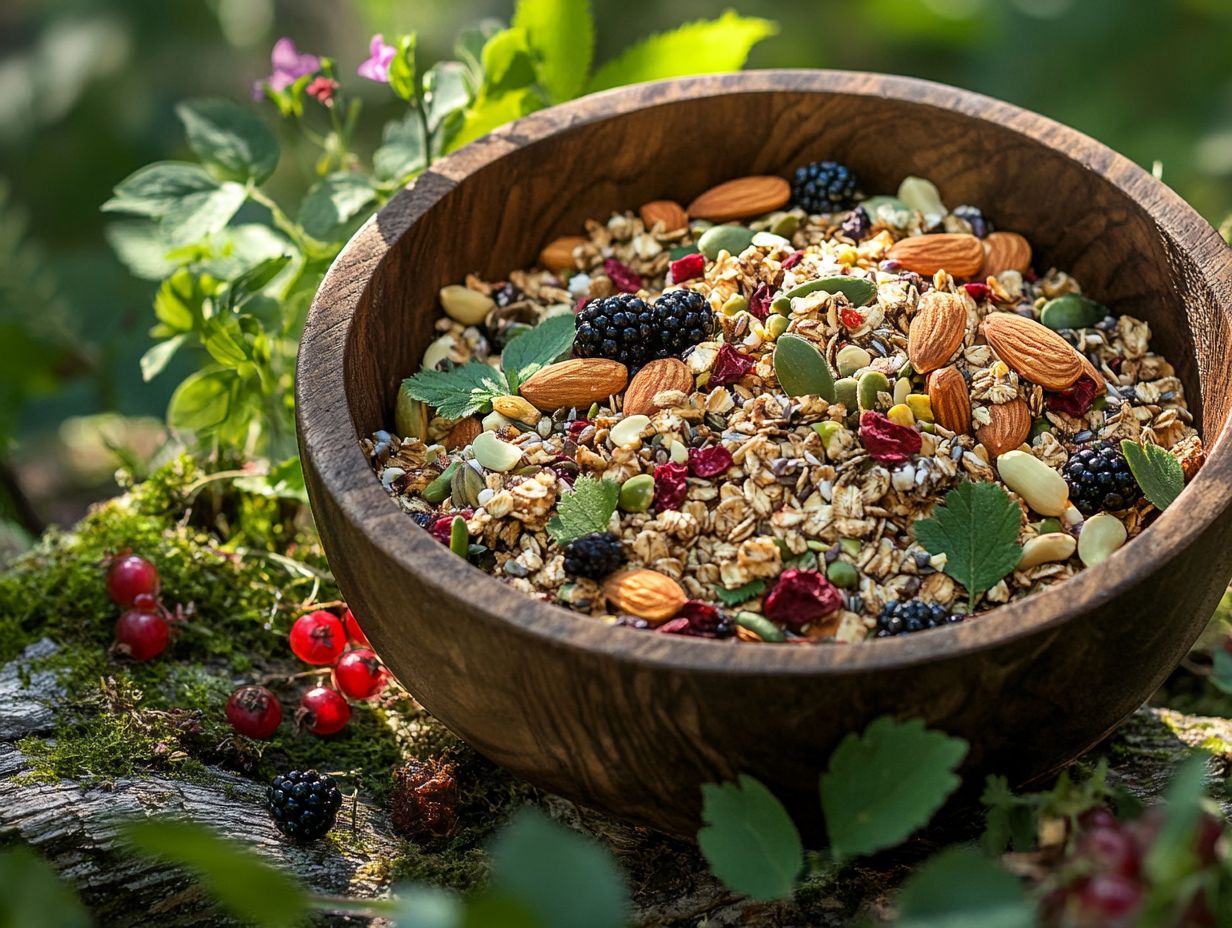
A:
(625, 328)
(971, 215)
(595, 555)
(823, 187)
(913, 615)
(1099, 479)
(304, 804)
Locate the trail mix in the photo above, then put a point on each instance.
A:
(787, 412)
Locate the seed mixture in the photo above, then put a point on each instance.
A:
(727, 420)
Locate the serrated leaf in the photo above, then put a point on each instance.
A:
(157, 188)
(960, 888)
(507, 62)
(977, 530)
(702, 47)
(1010, 820)
(741, 594)
(459, 391)
(884, 785)
(587, 508)
(1157, 471)
(230, 138)
(332, 203)
(561, 35)
(540, 346)
(749, 840)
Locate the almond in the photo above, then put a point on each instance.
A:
(557, 255)
(936, 330)
(1090, 370)
(654, 378)
(962, 255)
(1009, 428)
(1005, 251)
(1033, 350)
(462, 434)
(668, 212)
(950, 400)
(647, 594)
(741, 198)
(576, 382)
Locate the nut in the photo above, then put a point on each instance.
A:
(1008, 427)
(1044, 549)
(654, 378)
(557, 255)
(1033, 350)
(517, 408)
(1101, 534)
(647, 594)
(740, 198)
(462, 434)
(576, 382)
(467, 306)
(1040, 487)
(668, 212)
(960, 254)
(950, 399)
(627, 433)
(936, 330)
(1005, 251)
(495, 454)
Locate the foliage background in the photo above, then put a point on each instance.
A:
(87, 94)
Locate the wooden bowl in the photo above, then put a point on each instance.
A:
(631, 722)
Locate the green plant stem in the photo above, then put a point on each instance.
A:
(281, 219)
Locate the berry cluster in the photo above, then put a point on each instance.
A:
(595, 556)
(824, 187)
(1099, 479)
(303, 803)
(625, 328)
(912, 615)
(143, 629)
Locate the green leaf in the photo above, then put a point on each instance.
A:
(459, 391)
(158, 356)
(886, 784)
(422, 906)
(255, 279)
(1010, 820)
(507, 63)
(141, 247)
(469, 49)
(561, 36)
(445, 90)
(702, 47)
(200, 215)
(157, 188)
(402, 149)
(202, 401)
(230, 138)
(180, 301)
(490, 113)
(587, 508)
(1221, 672)
(332, 202)
(1171, 855)
(977, 531)
(402, 69)
(960, 888)
(222, 338)
(242, 883)
(34, 894)
(566, 879)
(741, 594)
(284, 481)
(1157, 471)
(539, 347)
(749, 840)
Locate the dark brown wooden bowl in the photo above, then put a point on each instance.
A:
(631, 722)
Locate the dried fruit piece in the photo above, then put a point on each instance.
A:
(960, 254)
(668, 212)
(644, 593)
(729, 366)
(423, 804)
(950, 399)
(936, 330)
(1009, 427)
(1074, 401)
(1005, 251)
(557, 255)
(576, 382)
(888, 442)
(1033, 350)
(671, 484)
(800, 597)
(741, 198)
(653, 379)
(709, 462)
(687, 267)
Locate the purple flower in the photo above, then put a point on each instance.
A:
(376, 68)
(289, 66)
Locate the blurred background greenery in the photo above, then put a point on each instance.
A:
(87, 90)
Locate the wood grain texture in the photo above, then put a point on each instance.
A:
(630, 722)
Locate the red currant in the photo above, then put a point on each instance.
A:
(324, 711)
(354, 632)
(130, 577)
(254, 711)
(1111, 850)
(1112, 899)
(851, 318)
(359, 674)
(318, 637)
(141, 635)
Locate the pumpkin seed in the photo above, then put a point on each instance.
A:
(736, 303)
(847, 390)
(776, 326)
(636, 493)
(840, 573)
(801, 369)
(438, 489)
(826, 431)
(869, 385)
(760, 626)
(781, 306)
(1071, 311)
(858, 290)
(466, 486)
(495, 454)
(851, 358)
(459, 538)
(902, 390)
(785, 224)
(732, 239)
(923, 195)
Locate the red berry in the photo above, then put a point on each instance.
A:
(354, 632)
(324, 711)
(141, 635)
(851, 318)
(359, 674)
(254, 711)
(1112, 899)
(318, 637)
(129, 577)
(1111, 850)
(1098, 817)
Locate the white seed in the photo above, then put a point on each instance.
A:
(1044, 549)
(627, 433)
(902, 390)
(438, 351)
(485, 496)
(1042, 488)
(579, 285)
(467, 306)
(903, 478)
(494, 420)
(770, 240)
(851, 358)
(1101, 534)
(679, 453)
(389, 475)
(495, 454)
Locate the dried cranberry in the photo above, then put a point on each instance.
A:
(800, 597)
(888, 442)
(729, 366)
(709, 462)
(1030, 276)
(792, 260)
(851, 317)
(759, 302)
(688, 267)
(577, 427)
(443, 526)
(1074, 401)
(698, 620)
(977, 291)
(623, 277)
(670, 486)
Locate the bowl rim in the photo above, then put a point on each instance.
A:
(328, 433)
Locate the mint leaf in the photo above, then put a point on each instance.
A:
(200, 215)
(459, 391)
(332, 202)
(537, 348)
(1221, 672)
(1157, 471)
(587, 508)
(561, 36)
(749, 840)
(156, 188)
(230, 138)
(960, 888)
(741, 594)
(702, 47)
(886, 784)
(977, 531)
